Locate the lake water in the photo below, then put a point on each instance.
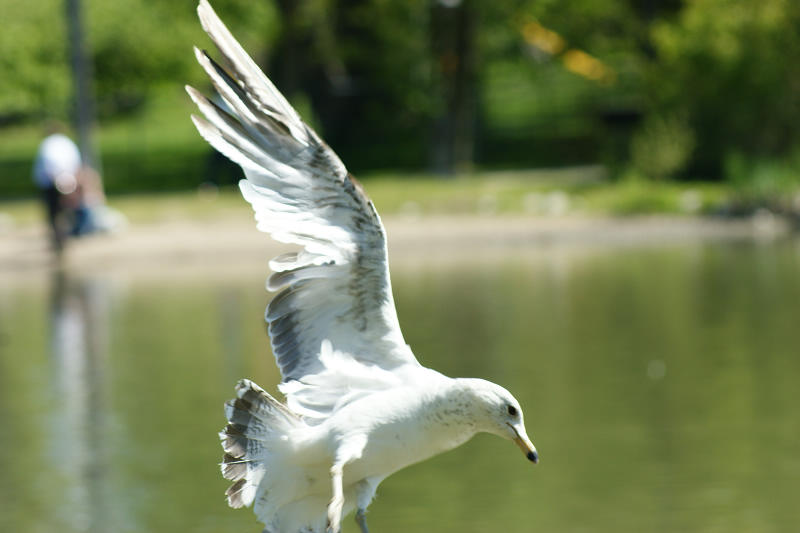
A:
(661, 386)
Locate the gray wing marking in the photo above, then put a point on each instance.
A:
(335, 289)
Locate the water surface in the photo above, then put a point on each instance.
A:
(660, 385)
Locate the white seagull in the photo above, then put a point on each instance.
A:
(359, 406)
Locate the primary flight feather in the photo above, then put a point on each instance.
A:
(359, 406)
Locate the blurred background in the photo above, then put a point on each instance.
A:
(656, 89)
(594, 203)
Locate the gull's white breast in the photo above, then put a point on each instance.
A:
(399, 427)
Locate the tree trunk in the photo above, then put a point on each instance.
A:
(453, 25)
(83, 111)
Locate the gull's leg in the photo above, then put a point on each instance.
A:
(361, 520)
(365, 491)
(337, 500)
(347, 452)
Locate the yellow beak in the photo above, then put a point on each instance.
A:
(525, 444)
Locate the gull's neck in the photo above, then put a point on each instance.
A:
(454, 413)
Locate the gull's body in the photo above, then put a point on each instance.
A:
(359, 406)
(408, 430)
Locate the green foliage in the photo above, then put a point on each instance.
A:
(134, 54)
(734, 67)
(33, 59)
(662, 146)
(370, 74)
(764, 183)
(135, 46)
(694, 85)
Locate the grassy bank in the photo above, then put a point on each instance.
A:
(580, 191)
(154, 163)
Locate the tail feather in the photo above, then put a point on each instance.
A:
(232, 468)
(240, 494)
(254, 418)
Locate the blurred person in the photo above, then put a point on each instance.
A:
(90, 212)
(82, 202)
(72, 192)
(55, 172)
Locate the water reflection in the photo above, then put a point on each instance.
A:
(78, 448)
(660, 385)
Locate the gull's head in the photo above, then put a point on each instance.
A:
(501, 415)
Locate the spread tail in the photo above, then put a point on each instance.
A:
(255, 420)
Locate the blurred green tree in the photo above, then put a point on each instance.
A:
(135, 45)
(34, 60)
(366, 68)
(674, 88)
(733, 68)
(138, 45)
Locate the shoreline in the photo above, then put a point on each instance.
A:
(234, 243)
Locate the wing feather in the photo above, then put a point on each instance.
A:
(333, 324)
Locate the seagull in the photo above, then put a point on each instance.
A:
(359, 406)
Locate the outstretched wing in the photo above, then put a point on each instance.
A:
(333, 326)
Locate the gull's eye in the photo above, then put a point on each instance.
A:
(512, 410)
